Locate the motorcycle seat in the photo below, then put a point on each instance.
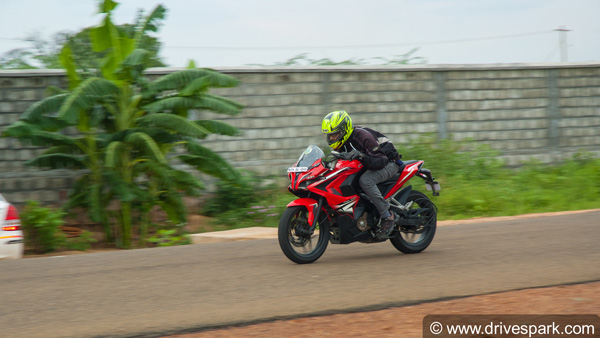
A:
(384, 187)
(397, 176)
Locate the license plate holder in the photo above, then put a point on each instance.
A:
(436, 186)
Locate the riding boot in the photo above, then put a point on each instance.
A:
(387, 226)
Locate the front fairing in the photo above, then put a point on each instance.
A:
(335, 180)
(308, 166)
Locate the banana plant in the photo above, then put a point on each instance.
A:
(130, 131)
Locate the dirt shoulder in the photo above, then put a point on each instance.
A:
(407, 321)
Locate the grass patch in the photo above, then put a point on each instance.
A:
(475, 183)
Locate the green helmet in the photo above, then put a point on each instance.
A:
(337, 127)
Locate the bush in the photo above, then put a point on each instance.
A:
(41, 228)
(465, 158)
(484, 187)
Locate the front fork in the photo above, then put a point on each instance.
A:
(312, 206)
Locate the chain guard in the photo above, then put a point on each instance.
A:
(415, 221)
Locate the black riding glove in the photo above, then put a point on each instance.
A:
(352, 155)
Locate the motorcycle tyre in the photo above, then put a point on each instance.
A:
(411, 248)
(286, 246)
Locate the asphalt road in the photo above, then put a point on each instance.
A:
(152, 292)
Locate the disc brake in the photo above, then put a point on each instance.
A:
(300, 232)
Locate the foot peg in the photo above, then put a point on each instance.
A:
(406, 206)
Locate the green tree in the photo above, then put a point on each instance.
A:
(130, 130)
(45, 53)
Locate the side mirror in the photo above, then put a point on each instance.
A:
(331, 159)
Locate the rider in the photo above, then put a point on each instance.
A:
(374, 151)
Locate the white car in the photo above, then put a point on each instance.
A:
(11, 235)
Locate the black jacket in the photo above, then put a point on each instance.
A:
(370, 143)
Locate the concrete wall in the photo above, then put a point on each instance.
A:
(543, 111)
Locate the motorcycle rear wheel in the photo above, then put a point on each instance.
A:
(295, 239)
(408, 242)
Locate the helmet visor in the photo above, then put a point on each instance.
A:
(333, 137)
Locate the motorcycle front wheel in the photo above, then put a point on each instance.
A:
(414, 239)
(297, 241)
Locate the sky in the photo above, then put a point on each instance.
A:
(232, 33)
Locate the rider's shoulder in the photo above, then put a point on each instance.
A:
(362, 132)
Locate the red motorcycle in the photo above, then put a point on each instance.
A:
(332, 207)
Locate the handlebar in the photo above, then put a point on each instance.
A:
(331, 158)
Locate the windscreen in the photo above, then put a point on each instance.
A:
(309, 156)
